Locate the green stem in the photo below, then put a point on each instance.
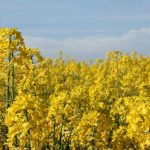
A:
(54, 134)
(8, 84)
(28, 132)
(34, 90)
(61, 130)
(13, 81)
(93, 141)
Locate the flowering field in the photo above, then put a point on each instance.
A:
(68, 105)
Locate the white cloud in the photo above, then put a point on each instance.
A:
(92, 47)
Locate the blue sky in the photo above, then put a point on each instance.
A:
(83, 29)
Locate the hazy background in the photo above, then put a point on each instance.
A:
(82, 29)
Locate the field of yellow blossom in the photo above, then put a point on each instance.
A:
(56, 104)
